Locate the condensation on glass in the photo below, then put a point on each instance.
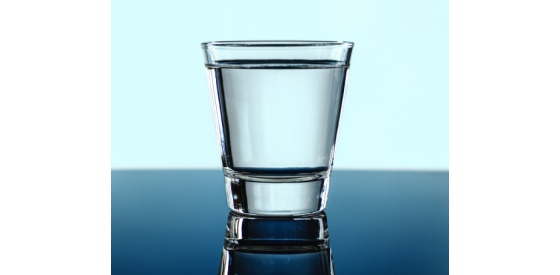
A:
(277, 107)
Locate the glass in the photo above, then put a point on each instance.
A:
(277, 245)
(277, 106)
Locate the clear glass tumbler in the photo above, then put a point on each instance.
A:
(277, 106)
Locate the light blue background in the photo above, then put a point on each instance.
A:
(396, 107)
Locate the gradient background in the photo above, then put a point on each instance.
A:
(396, 112)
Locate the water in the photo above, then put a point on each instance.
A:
(277, 116)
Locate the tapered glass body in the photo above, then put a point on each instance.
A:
(277, 108)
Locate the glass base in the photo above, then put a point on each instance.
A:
(277, 195)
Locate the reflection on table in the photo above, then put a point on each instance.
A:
(381, 222)
(277, 245)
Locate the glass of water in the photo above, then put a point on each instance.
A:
(277, 106)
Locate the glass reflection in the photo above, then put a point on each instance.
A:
(276, 245)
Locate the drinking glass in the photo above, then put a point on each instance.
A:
(277, 107)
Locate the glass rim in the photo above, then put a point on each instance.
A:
(275, 43)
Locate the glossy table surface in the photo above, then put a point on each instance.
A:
(380, 222)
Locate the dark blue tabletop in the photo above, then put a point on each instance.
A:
(380, 222)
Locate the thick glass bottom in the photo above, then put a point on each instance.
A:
(277, 195)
